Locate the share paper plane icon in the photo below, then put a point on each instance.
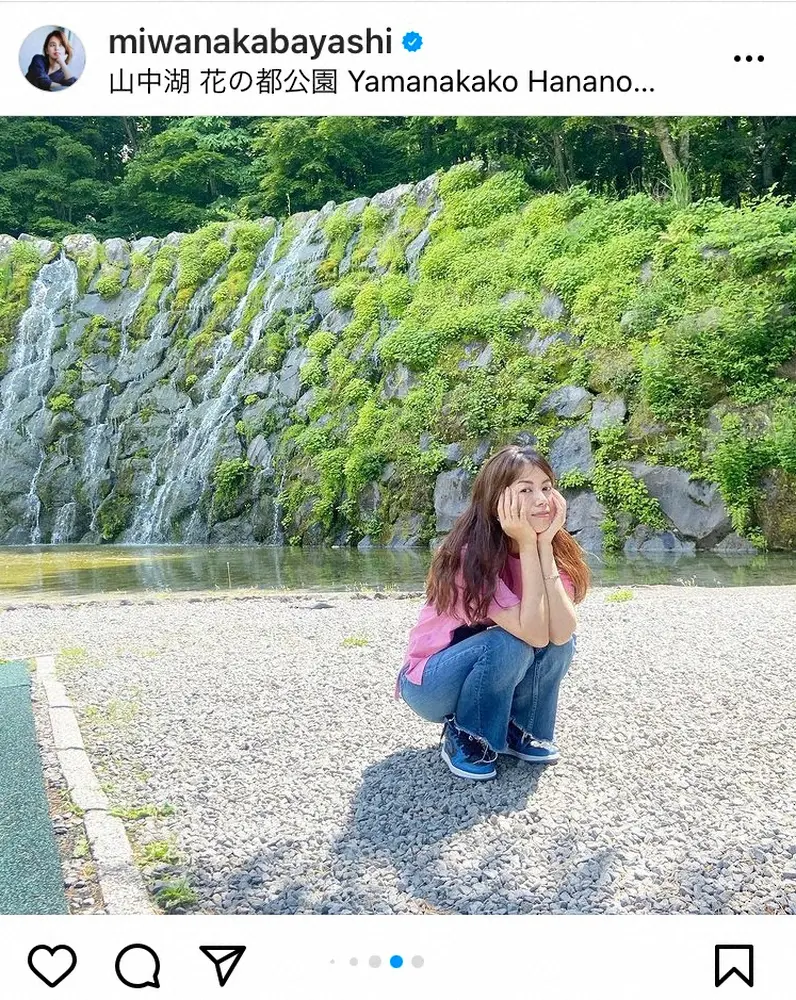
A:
(224, 957)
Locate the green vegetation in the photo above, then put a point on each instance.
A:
(109, 283)
(618, 596)
(176, 894)
(669, 282)
(353, 641)
(134, 813)
(157, 852)
(18, 270)
(62, 403)
(229, 481)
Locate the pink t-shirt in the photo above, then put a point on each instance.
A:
(434, 632)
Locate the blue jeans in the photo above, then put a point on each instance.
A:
(487, 680)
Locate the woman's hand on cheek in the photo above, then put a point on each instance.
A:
(559, 505)
(513, 517)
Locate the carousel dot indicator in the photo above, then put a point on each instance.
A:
(396, 961)
(374, 961)
(353, 961)
(417, 961)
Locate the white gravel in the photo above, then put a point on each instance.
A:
(300, 786)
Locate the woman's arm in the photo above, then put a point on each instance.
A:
(37, 73)
(561, 610)
(529, 619)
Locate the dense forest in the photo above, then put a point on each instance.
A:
(131, 177)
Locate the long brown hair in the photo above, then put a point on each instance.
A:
(67, 47)
(478, 547)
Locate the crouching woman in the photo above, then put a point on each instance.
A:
(497, 634)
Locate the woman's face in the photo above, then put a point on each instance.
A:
(55, 48)
(536, 489)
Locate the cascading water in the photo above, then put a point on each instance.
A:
(30, 372)
(65, 524)
(129, 452)
(185, 468)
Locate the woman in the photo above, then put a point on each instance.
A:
(50, 71)
(507, 563)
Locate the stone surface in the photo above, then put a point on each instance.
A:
(538, 343)
(567, 401)
(645, 541)
(735, 545)
(398, 383)
(551, 307)
(289, 384)
(259, 454)
(696, 509)
(776, 509)
(585, 514)
(406, 532)
(571, 451)
(451, 496)
(607, 411)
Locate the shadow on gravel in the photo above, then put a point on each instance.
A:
(410, 846)
(409, 813)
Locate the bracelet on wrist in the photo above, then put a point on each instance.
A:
(555, 576)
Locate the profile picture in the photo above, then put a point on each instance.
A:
(52, 58)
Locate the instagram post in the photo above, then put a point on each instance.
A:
(397, 509)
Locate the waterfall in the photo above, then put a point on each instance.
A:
(23, 389)
(277, 535)
(65, 522)
(33, 507)
(199, 428)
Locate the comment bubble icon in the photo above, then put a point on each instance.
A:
(138, 966)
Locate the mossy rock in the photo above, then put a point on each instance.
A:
(776, 509)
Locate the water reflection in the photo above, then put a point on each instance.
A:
(80, 570)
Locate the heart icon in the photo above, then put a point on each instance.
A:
(52, 965)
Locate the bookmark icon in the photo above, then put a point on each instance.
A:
(225, 959)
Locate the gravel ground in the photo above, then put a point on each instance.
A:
(300, 786)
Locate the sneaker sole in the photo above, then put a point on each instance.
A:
(465, 774)
(532, 760)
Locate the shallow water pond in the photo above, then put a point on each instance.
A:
(66, 571)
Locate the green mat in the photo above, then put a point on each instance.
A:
(30, 869)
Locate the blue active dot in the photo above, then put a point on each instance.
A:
(412, 41)
(396, 961)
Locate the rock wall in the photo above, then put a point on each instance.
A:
(217, 387)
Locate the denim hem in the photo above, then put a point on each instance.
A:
(475, 736)
(535, 741)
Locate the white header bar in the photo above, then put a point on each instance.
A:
(495, 58)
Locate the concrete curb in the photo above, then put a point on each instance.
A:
(121, 882)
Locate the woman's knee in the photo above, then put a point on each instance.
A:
(509, 645)
(560, 654)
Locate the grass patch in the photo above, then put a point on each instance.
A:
(624, 594)
(133, 813)
(157, 852)
(354, 640)
(175, 894)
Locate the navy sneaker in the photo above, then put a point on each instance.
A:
(522, 746)
(466, 756)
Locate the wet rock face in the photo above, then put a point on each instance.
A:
(138, 407)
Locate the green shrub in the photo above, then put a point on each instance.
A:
(18, 270)
(229, 479)
(62, 403)
(109, 283)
